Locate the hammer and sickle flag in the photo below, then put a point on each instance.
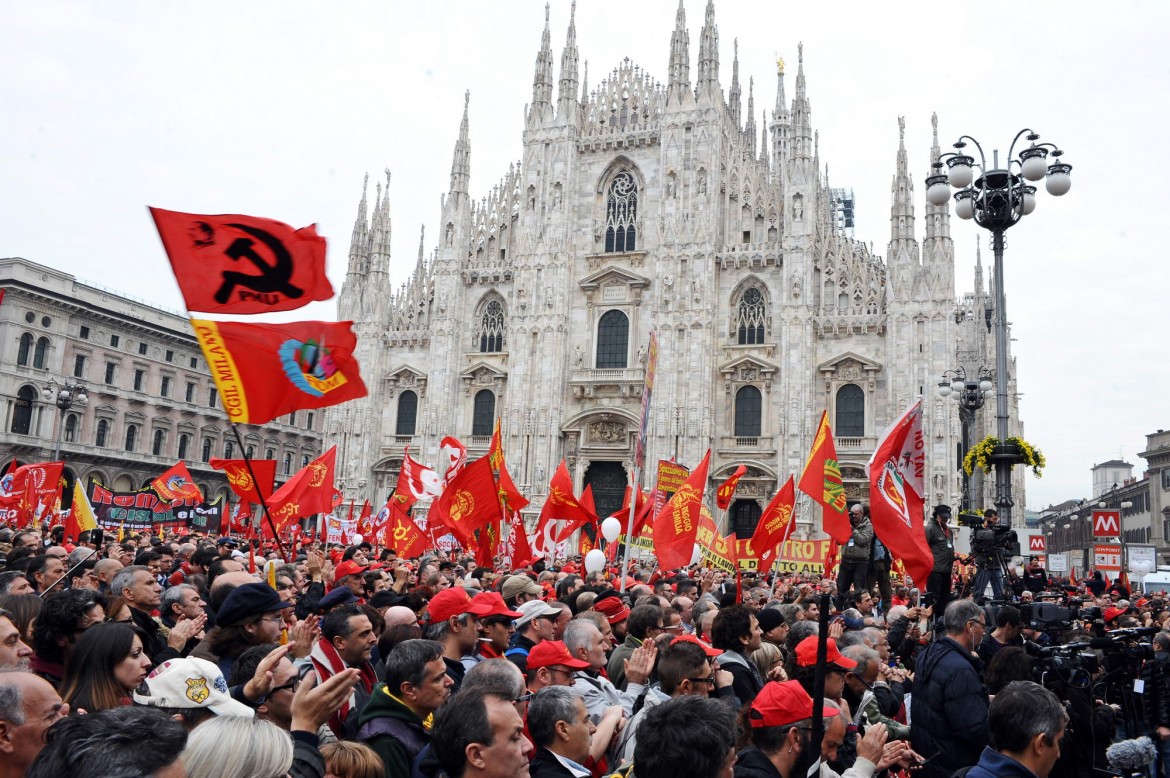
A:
(240, 479)
(727, 488)
(243, 264)
(469, 502)
(403, 535)
(775, 525)
(264, 371)
(309, 491)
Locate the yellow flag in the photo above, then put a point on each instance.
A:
(82, 511)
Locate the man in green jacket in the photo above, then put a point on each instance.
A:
(645, 623)
(396, 722)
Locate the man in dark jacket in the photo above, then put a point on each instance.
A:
(854, 572)
(645, 623)
(781, 723)
(942, 546)
(562, 730)
(1026, 723)
(737, 632)
(949, 719)
(396, 721)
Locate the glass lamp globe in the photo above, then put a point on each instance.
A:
(82, 397)
(957, 385)
(47, 393)
(937, 190)
(985, 385)
(1028, 194)
(1032, 165)
(965, 204)
(989, 393)
(944, 389)
(959, 171)
(1059, 181)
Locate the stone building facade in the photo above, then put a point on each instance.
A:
(151, 400)
(679, 206)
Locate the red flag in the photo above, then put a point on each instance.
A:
(587, 540)
(267, 370)
(727, 488)
(677, 524)
(456, 454)
(31, 490)
(416, 482)
(403, 535)
(511, 495)
(176, 484)
(365, 524)
(586, 501)
(775, 525)
(1072, 577)
(243, 264)
(821, 480)
(895, 493)
(831, 558)
(561, 504)
(309, 491)
(242, 484)
(469, 502)
(517, 552)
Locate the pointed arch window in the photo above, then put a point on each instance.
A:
(748, 412)
(484, 413)
(621, 214)
(24, 353)
(613, 340)
(22, 411)
(850, 412)
(41, 353)
(407, 413)
(491, 328)
(101, 439)
(750, 315)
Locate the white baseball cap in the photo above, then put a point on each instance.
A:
(189, 683)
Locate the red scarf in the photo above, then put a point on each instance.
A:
(327, 663)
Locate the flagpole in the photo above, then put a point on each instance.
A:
(635, 490)
(256, 487)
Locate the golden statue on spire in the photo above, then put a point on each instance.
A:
(780, 66)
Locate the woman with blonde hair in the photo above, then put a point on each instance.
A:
(238, 747)
(766, 659)
(347, 759)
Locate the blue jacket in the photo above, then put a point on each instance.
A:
(949, 708)
(993, 764)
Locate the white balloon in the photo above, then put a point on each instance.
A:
(610, 529)
(356, 540)
(594, 561)
(696, 555)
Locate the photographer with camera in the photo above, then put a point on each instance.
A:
(988, 545)
(854, 570)
(942, 546)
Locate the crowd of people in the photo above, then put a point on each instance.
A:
(191, 656)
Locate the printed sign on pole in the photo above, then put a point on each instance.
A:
(1106, 524)
(1058, 563)
(1107, 558)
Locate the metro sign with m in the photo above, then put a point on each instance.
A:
(1036, 544)
(1106, 524)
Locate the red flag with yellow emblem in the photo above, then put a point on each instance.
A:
(248, 489)
(677, 525)
(403, 535)
(561, 504)
(177, 484)
(309, 491)
(469, 502)
(727, 488)
(775, 525)
(821, 480)
(511, 495)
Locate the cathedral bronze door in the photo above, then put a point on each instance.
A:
(608, 480)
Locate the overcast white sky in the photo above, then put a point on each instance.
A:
(277, 109)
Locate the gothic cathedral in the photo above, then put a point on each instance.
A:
(641, 205)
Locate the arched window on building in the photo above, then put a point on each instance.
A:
(483, 417)
(269, 453)
(22, 410)
(748, 409)
(750, 317)
(407, 413)
(101, 438)
(621, 214)
(850, 412)
(24, 352)
(250, 452)
(41, 353)
(491, 328)
(287, 463)
(229, 448)
(160, 440)
(131, 437)
(613, 340)
(184, 444)
(72, 423)
(745, 515)
(206, 457)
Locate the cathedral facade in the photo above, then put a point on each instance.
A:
(672, 206)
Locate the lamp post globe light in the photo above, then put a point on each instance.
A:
(997, 197)
(970, 394)
(66, 396)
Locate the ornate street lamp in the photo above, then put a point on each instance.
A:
(970, 394)
(65, 395)
(997, 198)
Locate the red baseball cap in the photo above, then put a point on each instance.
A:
(1112, 613)
(780, 704)
(547, 653)
(806, 655)
(496, 606)
(454, 602)
(614, 610)
(692, 639)
(348, 568)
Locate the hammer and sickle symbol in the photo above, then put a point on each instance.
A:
(272, 278)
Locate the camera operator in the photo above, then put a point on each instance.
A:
(988, 558)
(1155, 682)
(942, 546)
(854, 570)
